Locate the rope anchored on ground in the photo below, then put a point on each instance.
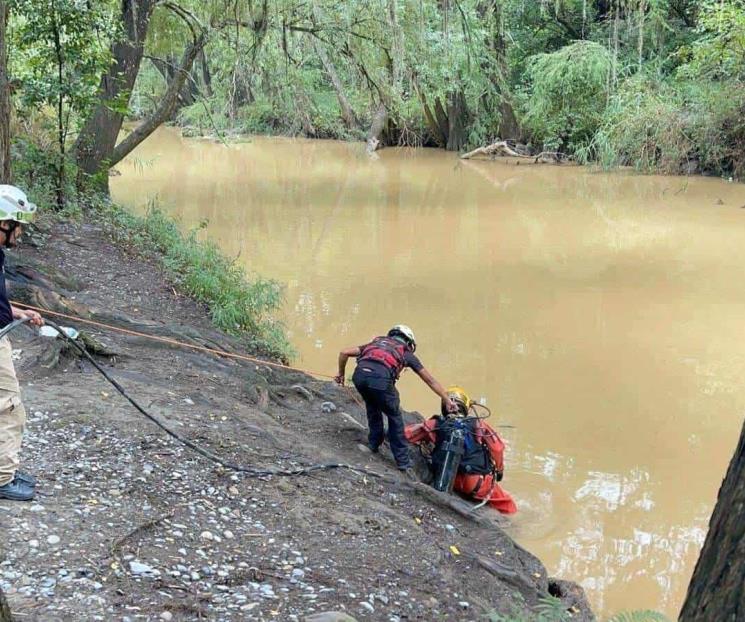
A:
(250, 471)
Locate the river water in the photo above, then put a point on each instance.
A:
(599, 314)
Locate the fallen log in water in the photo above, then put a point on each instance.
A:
(503, 148)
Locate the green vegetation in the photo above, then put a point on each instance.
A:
(654, 84)
(59, 51)
(567, 95)
(239, 305)
(550, 609)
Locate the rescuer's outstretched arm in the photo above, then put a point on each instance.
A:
(343, 358)
(432, 383)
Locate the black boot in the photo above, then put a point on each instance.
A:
(16, 491)
(25, 478)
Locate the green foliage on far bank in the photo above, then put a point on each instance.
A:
(238, 304)
(654, 84)
(658, 85)
(567, 95)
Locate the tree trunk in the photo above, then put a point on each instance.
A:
(379, 121)
(165, 108)
(457, 112)
(442, 120)
(206, 75)
(640, 41)
(397, 47)
(716, 592)
(508, 124)
(347, 114)
(98, 137)
(382, 113)
(189, 93)
(239, 92)
(5, 172)
(497, 43)
(61, 174)
(434, 127)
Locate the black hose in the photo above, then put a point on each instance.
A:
(250, 471)
(476, 405)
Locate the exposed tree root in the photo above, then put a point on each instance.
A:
(138, 530)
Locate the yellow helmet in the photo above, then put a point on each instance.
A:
(461, 399)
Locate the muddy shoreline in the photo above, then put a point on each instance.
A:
(130, 525)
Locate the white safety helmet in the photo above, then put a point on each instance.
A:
(401, 330)
(14, 205)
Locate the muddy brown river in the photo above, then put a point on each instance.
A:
(601, 315)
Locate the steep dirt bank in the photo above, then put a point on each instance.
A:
(130, 525)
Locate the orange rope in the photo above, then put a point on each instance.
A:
(175, 342)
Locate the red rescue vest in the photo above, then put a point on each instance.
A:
(386, 350)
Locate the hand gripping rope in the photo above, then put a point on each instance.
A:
(250, 471)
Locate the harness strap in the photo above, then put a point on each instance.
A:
(386, 351)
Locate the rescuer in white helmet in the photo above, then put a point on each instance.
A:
(15, 211)
(379, 364)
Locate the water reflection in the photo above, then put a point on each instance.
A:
(621, 543)
(597, 313)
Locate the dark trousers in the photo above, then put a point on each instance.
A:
(381, 397)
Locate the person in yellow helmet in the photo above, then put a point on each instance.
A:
(481, 456)
(15, 211)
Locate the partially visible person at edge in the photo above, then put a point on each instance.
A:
(14, 484)
(379, 365)
(482, 463)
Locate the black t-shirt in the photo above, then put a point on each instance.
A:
(6, 315)
(410, 360)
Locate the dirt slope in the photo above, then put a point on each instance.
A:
(130, 525)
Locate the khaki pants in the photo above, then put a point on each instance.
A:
(12, 415)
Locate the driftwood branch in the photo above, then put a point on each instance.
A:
(503, 148)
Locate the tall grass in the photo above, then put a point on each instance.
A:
(686, 127)
(238, 304)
